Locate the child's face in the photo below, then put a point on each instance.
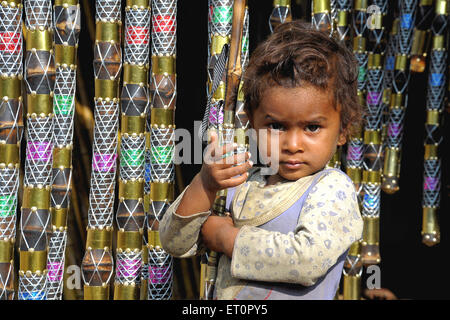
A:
(306, 125)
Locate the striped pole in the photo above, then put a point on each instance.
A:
(135, 99)
(67, 28)
(35, 216)
(433, 131)
(11, 130)
(220, 18)
(372, 165)
(163, 88)
(97, 265)
(399, 98)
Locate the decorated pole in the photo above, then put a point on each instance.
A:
(97, 265)
(220, 16)
(67, 28)
(389, 66)
(422, 35)
(433, 131)
(163, 88)
(321, 19)
(399, 98)
(372, 164)
(134, 100)
(35, 215)
(11, 130)
(281, 13)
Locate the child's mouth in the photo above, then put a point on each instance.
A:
(292, 165)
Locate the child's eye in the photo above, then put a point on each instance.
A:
(313, 127)
(275, 126)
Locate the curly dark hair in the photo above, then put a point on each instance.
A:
(298, 55)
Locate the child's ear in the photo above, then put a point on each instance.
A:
(342, 137)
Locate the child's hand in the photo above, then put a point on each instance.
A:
(219, 233)
(218, 173)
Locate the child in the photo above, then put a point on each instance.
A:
(289, 233)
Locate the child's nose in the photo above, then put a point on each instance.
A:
(293, 141)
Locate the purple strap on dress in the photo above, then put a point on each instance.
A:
(324, 289)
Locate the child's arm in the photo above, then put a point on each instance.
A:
(180, 226)
(329, 223)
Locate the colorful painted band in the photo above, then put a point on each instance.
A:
(373, 97)
(245, 44)
(431, 183)
(55, 271)
(104, 162)
(406, 21)
(136, 35)
(394, 129)
(437, 79)
(162, 154)
(362, 74)
(164, 23)
(8, 205)
(371, 201)
(40, 151)
(10, 42)
(132, 157)
(129, 268)
(63, 104)
(354, 152)
(33, 295)
(390, 63)
(159, 275)
(222, 14)
(215, 117)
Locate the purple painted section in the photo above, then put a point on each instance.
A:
(104, 162)
(159, 274)
(129, 267)
(430, 183)
(354, 152)
(373, 98)
(394, 129)
(55, 271)
(41, 151)
(213, 117)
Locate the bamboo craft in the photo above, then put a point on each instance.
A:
(389, 66)
(67, 28)
(433, 131)
(11, 130)
(35, 216)
(352, 270)
(281, 13)
(371, 180)
(220, 25)
(97, 264)
(163, 88)
(421, 36)
(399, 98)
(321, 19)
(241, 123)
(134, 100)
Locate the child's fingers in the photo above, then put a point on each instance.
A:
(234, 159)
(235, 180)
(232, 172)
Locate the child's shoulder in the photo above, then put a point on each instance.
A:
(335, 179)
